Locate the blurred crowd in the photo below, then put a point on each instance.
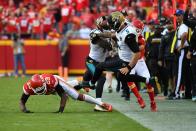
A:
(170, 62)
(48, 19)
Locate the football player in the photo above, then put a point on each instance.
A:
(99, 48)
(141, 67)
(47, 84)
(129, 53)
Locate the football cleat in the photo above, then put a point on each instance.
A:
(153, 107)
(99, 108)
(108, 107)
(141, 103)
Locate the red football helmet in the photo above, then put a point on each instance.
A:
(139, 25)
(37, 84)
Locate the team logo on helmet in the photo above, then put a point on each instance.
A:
(115, 20)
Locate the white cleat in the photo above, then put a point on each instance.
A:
(99, 108)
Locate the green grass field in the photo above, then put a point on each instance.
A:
(78, 116)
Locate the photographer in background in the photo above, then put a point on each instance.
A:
(18, 50)
(191, 23)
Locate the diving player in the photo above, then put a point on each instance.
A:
(47, 84)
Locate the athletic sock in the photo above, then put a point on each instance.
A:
(134, 89)
(150, 90)
(92, 100)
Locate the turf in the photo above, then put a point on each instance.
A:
(78, 116)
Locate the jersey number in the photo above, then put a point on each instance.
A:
(47, 79)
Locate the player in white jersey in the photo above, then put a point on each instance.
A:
(99, 48)
(129, 54)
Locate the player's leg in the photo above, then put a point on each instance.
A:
(134, 88)
(110, 65)
(142, 70)
(82, 97)
(135, 91)
(109, 76)
(99, 92)
(125, 90)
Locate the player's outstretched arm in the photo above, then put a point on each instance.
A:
(63, 101)
(22, 103)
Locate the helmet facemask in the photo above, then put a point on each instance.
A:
(40, 90)
(37, 84)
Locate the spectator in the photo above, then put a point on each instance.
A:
(11, 21)
(167, 8)
(18, 50)
(1, 21)
(131, 15)
(66, 13)
(31, 11)
(84, 31)
(23, 25)
(35, 27)
(153, 14)
(48, 21)
(80, 5)
(57, 16)
(87, 17)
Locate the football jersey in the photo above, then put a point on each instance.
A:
(124, 52)
(97, 53)
(51, 83)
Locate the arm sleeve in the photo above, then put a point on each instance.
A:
(130, 40)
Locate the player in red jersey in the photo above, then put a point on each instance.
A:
(141, 69)
(47, 84)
